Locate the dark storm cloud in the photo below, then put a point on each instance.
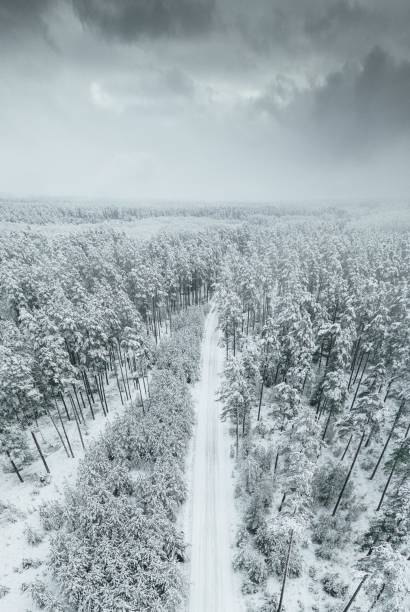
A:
(359, 107)
(165, 83)
(17, 15)
(129, 19)
(23, 22)
(366, 107)
(342, 13)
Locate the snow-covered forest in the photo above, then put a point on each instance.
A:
(315, 323)
(203, 420)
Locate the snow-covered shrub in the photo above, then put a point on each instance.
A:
(251, 562)
(327, 483)
(51, 515)
(43, 598)
(263, 457)
(270, 603)
(28, 563)
(333, 585)
(354, 510)
(13, 440)
(248, 587)
(331, 532)
(259, 503)
(33, 536)
(273, 541)
(3, 591)
(242, 536)
(368, 462)
(261, 429)
(43, 480)
(312, 571)
(9, 513)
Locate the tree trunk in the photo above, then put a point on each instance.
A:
(91, 408)
(118, 383)
(282, 502)
(260, 401)
(356, 352)
(126, 368)
(40, 452)
(64, 429)
(360, 382)
(285, 575)
(122, 373)
(355, 594)
(14, 466)
(387, 390)
(87, 386)
(358, 367)
(237, 433)
(77, 421)
(379, 594)
(348, 475)
(321, 354)
(78, 403)
(376, 467)
(276, 462)
(330, 350)
(103, 392)
(58, 432)
(142, 401)
(370, 436)
(154, 322)
(387, 484)
(304, 381)
(327, 422)
(65, 406)
(99, 394)
(347, 447)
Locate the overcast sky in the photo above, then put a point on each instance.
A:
(205, 99)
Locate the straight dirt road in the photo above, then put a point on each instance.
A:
(213, 584)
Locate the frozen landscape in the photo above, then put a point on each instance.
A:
(204, 306)
(209, 419)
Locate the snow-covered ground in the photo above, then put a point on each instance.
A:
(24, 499)
(210, 516)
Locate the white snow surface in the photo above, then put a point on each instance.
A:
(26, 498)
(210, 517)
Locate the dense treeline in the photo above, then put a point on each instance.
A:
(315, 321)
(39, 212)
(117, 545)
(80, 311)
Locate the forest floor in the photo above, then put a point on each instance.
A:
(210, 519)
(21, 562)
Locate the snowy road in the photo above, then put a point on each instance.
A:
(213, 585)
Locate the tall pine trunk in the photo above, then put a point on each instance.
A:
(348, 475)
(285, 575)
(355, 594)
(376, 467)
